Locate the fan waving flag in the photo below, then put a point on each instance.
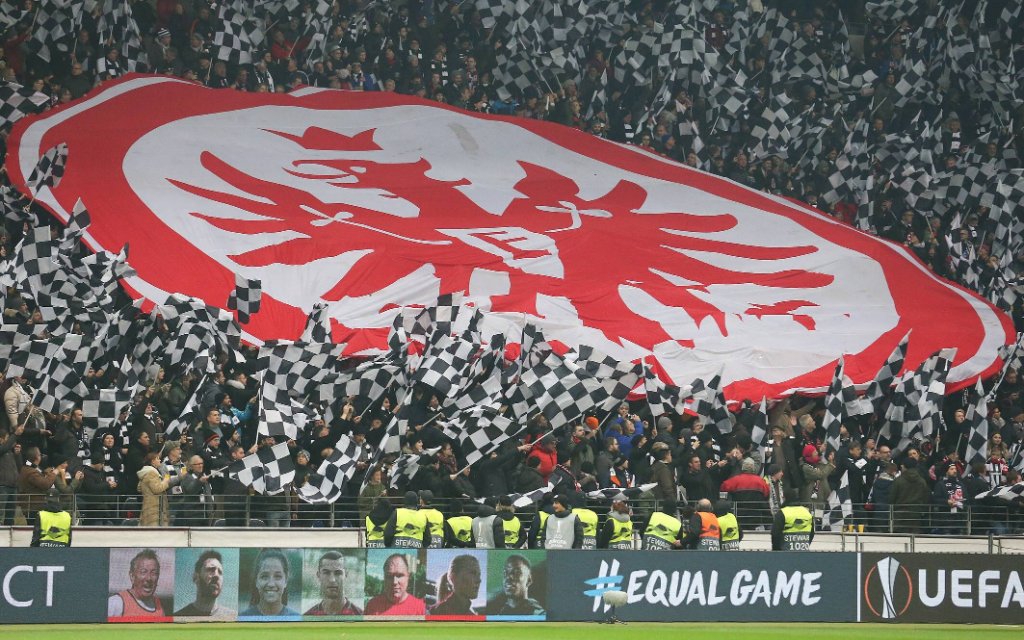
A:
(267, 471)
(319, 195)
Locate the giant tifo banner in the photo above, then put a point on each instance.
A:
(373, 201)
(285, 584)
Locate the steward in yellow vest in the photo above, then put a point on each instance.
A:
(662, 528)
(435, 520)
(792, 529)
(589, 520)
(458, 532)
(407, 526)
(376, 520)
(514, 537)
(53, 524)
(535, 541)
(617, 530)
(729, 525)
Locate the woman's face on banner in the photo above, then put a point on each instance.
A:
(271, 581)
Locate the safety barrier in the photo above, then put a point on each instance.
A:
(159, 584)
(260, 511)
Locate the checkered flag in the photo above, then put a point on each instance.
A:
(834, 407)
(32, 358)
(299, 366)
(760, 433)
(1013, 358)
(60, 387)
(116, 24)
(445, 365)
(533, 348)
(493, 10)
(661, 396)
(370, 380)
(977, 417)
(245, 298)
(443, 314)
(838, 507)
(280, 415)
(102, 406)
(12, 336)
(268, 471)
(192, 347)
(325, 486)
(563, 391)
(188, 416)
(491, 359)
(407, 466)
(49, 170)
(879, 388)
(631, 493)
(1009, 493)
(709, 405)
(481, 431)
(318, 325)
(16, 102)
(530, 498)
(487, 393)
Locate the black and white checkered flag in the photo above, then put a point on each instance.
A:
(631, 493)
(662, 397)
(299, 367)
(838, 506)
(16, 102)
(760, 434)
(245, 298)
(189, 414)
(533, 348)
(879, 388)
(977, 440)
(564, 392)
(325, 486)
(834, 406)
(407, 466)
(487, 393)
(32, 358)
(102, 406)
(1009, 493)
(49, 170)
(60, 387)
(709, 405)
(524, 500)
(268, 471)
(445, 365)
(481, 431)
(318, 325)
(280, 415)
(370, 380)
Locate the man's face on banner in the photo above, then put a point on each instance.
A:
(396, 580)
(517, 579)
(331, 576)
(145, 576)
(210, 579)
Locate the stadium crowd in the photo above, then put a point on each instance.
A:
(797, 128)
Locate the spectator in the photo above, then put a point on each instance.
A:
(155, 507)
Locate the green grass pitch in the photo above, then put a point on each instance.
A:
(499, 631)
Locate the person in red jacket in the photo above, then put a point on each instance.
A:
(746, 480)
(546, 450)
(749, 492)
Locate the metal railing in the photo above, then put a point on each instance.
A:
(282, 511)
